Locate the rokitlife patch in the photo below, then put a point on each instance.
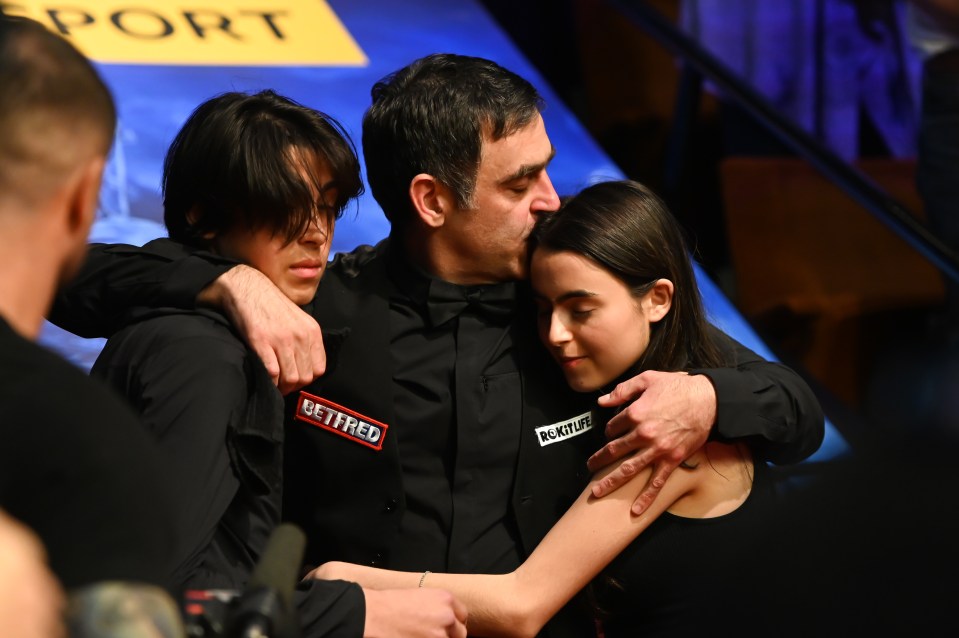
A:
(556, 432)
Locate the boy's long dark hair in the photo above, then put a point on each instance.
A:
(249, 158)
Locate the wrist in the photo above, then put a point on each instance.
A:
(223, 291)
(707, 404)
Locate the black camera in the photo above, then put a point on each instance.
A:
(264, 608)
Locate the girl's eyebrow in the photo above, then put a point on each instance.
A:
(572, 294)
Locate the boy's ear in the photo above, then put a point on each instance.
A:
(193, 216)
(431, 200)
(659, 299)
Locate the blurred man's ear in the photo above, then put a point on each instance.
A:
(84, 198)
(81, 199)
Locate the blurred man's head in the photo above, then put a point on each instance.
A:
(57, 121)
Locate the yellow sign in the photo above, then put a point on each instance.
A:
(199, 32)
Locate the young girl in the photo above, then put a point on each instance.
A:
(616, 295)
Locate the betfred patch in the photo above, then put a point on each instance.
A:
(556, 432)
(339, 420)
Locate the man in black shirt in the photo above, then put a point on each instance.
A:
(441, 436)
(75, 466)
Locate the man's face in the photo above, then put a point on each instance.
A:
(512, 189)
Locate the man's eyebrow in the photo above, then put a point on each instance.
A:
(529, 169)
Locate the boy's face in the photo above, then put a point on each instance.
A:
(294, 267)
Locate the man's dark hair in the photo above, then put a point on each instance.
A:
(625, 228)
(432, 117)
(46, 82)
(249, 159)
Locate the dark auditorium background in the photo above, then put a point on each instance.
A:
(819, 273)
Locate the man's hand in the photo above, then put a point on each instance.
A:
(670, 418)
(413, 613)
(287, 339)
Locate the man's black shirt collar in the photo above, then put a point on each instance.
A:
(439, 301)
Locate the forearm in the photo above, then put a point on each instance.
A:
(498, 605)
(765, 403)
(116, 278)
(494, 601)
(588, 536)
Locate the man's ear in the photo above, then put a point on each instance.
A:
(431, 200)
(83, 197)
(659, 299)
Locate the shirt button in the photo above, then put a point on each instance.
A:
(377, 559)
(391, 505)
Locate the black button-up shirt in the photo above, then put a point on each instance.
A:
(458, 409)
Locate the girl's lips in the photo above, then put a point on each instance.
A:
(570, 362)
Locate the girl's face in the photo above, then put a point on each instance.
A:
(588, 319)
(294, 267)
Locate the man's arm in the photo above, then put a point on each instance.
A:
(116, 278)
(674, 413)
(287, 340)
(764, 402)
